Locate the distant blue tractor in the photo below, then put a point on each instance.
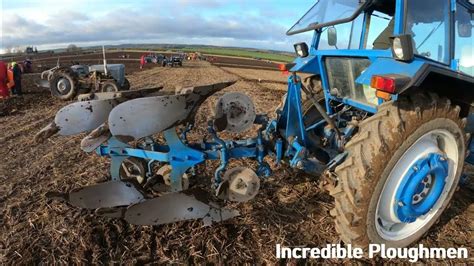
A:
(385, 119)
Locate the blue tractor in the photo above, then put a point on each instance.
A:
(396, 78)
(386, 119)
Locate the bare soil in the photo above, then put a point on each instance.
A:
(270, 75)
(290, 208)
(225, 61)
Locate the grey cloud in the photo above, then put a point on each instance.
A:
(65, 17)
(122, 24)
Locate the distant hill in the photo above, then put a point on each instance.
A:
(262, 54)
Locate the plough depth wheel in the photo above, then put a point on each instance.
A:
(133, 168)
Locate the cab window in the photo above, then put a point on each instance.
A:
(429, 27)
(463, 51)
(380, 29)
(348, 35)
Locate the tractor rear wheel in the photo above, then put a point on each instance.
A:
(311, 116)
(401, 172)
(310, 113)
(110, 86)
(63, 84)
(126, 85)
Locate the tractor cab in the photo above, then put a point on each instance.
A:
(359, 44)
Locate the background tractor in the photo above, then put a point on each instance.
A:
(172, 61)
(66, 82)
(387, 120)
(154, 58)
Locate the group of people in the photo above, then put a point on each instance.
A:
(10, 79)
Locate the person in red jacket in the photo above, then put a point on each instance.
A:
(142, 61)
(4, 93)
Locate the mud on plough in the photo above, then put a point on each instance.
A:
(150, 167)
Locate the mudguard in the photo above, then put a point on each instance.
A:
(143, 117)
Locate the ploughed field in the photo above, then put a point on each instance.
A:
(44, 61)
(290, 209)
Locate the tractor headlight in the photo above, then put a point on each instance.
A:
(397, 48)
(301, 49)
(402, 47)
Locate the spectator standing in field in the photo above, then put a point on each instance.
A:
(142, 61)
(17, 78)
(3, 80)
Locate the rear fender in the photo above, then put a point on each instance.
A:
(456, 86)
(422, 74)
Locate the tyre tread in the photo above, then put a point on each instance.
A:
(378, 138)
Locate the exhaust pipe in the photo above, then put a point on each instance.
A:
(105, 61)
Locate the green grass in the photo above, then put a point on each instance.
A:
(247, 53)
(240, 53)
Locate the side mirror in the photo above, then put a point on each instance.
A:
(464, 24)
(332, 36)
(464, 29)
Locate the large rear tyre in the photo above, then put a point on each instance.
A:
(401, 172)
(310, 113)
(63, 84)
(311, 116)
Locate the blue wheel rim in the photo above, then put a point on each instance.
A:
(433, 167)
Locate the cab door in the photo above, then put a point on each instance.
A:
(430, 28)
(463, 39)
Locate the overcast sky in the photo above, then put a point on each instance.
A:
(243, 23)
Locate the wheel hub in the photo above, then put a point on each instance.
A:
(109, 88)
(243, 184)
(421, 187)
(63, 84)
(417, 186)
